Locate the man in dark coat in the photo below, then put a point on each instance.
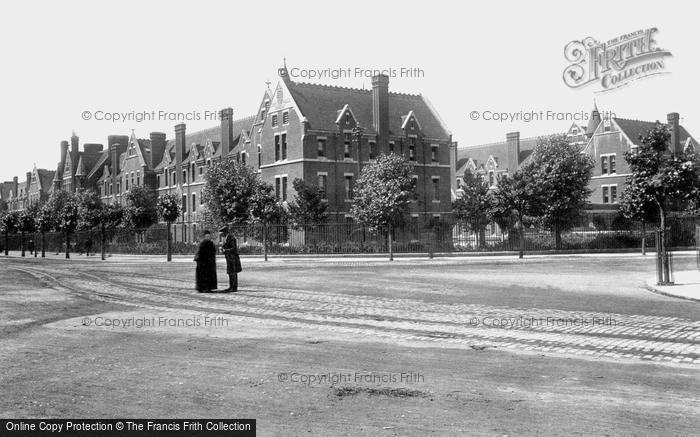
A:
(205, 274)
(233, 261)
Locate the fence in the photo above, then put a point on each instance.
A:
(446, 235)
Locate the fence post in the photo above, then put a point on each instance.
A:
(391, 249)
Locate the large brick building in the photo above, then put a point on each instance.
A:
(321, 134)
(605, 139)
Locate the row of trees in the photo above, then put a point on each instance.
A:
(66, 213)
(550, 190)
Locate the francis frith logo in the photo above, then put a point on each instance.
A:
(614, 63)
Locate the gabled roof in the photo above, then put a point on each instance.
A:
(201, 138)
(80, 169)
(634, 129)
(45, 178)
(481, 153)
(319, 105)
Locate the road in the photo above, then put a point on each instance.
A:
(446, 346)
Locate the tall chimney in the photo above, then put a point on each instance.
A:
(380, 109)
(158, 143)
(64, 152)
(513, 151)
(673, 124)
(114, 148)
(226, 117)
(15, 186)
(74, 141)
(180, 130)
(29, 180)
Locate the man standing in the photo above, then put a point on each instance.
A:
(233, 261)
(205, 275)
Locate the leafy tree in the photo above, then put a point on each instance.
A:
(516, 202)
(473, 207)
(169, 210)
(562, 173)
(140, 211)
(383, 193)
(265, 210)
(26, 224)
(66, 214)
(9, 223)
(308, 206)
(229, 191)
(661, 178)
(89, 208)
(110, 217)
(3, 206)
(45, 222)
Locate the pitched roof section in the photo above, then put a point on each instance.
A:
(637, 128)
(320, 105)
(481, 153)
(45, 178)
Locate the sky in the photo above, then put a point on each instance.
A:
(61, 59)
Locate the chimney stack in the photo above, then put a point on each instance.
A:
(64, 152)
(674, 125)
(513, 151)
(29, 179)
(74, 141)
(15, 186)
(380, 109)
(114, 149)
(158, 143)
(226, 117)
(180, 130)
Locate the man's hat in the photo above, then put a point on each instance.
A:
(223, 229)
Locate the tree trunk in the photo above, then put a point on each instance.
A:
(170, 244)
(644, 238)
(521, 240)
(103, 236)
(6, 242)
(21, 242)
(67, 245)
(265, 240)
(557, 235)
(34, 240)
(43, 244)
(391, 248)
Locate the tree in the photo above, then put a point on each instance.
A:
(89, 208)
(474, 206)
(140, 211)
(169, 210)
(661, 178)
(3, 206)
(9, 224)
(110, 217)
(308, 206)
(229, 190)
(66, 215)
(383, 193)
(265, 210)
(26, 224)
(45, 222)
(562, 173)
(516, 202)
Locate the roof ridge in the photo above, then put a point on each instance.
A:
(321, 85)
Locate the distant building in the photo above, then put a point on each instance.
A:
(604, 139)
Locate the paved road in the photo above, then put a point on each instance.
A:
(589, 307)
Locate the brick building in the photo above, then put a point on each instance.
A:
(321, 134)
(605, 139)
